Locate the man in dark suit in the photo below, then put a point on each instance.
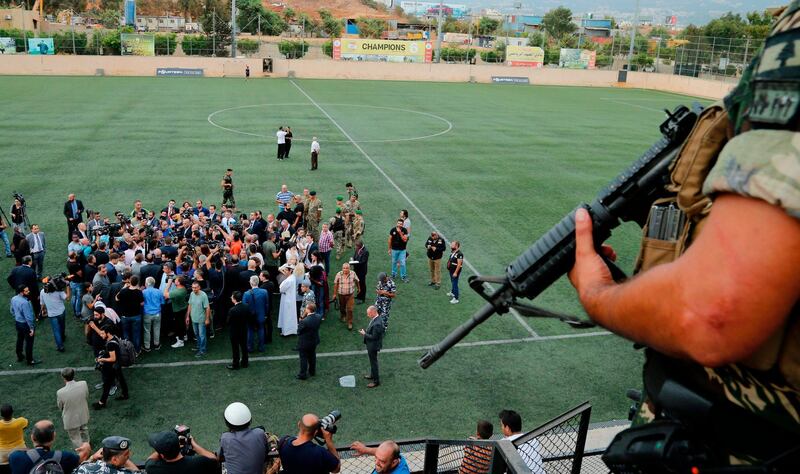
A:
(373, 338)
(361, 256)
(38, 246)
(308, 340)
(240, 317)
(73, 211)
(24, 275)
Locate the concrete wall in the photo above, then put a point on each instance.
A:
(65, 65)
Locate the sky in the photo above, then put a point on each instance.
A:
(697, 12)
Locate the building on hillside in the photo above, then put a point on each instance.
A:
(596, 30)
(431, 9)
(160, 23)
(491, 13)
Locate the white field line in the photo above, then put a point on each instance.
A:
(633, 105)
(392, 350)
(402, 193)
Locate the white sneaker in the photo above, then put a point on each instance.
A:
(178, 344)
(113, 391)
(454, 301)
(450, 294)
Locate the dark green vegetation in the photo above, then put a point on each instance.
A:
(516, 160)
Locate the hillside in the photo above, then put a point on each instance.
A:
(339, 8)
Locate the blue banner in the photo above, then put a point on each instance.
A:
(41, 46)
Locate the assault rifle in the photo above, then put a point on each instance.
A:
(627, 198)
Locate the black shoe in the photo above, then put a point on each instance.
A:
(34, 362)
(313, 374)
(20, 358)
(98, 405)
(60, 349)
(301, 377)
(122, 398)
(231, 367)
(244, 366)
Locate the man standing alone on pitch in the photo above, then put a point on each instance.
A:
(227, 190)
(73, 211)
(74, 406)
(281, 136)
(373, 339)
(314, 153)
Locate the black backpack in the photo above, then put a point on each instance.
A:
(45, 466)
(127, 353)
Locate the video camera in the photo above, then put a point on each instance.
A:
(184, 439)
(54, 283)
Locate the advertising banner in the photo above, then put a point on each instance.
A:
(422, 9)
(137, 45)
(393, 51)
(510, 80)
(8, 46)
(179, 72)
(41, 46)
(577, 58)
(526, 56)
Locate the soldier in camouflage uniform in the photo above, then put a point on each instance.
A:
(349, 217)
(352, 204)
(357, 226)
(726, 322)
(227, 190)
(314, 214)
(340, 201)
(336, 225)
(351, 190)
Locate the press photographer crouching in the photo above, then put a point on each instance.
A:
(300, 455)
(169, 457)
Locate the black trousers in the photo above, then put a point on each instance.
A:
(308, 362)
(239, 346)
(24, 337)
(287, 149)
(112, 373)
(362, 286)
(71, 227)
(314, 161)
(281, 150)
(373, 366)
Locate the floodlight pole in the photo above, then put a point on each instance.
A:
(439, 35)
(634, 27)
(233, 28)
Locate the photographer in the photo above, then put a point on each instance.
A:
(168, 457)
(241, 448)
(53, 297)
(110, 369)
(300, 455)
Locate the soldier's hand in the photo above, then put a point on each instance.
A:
(590, 274)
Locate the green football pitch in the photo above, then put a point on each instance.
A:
(493, 166)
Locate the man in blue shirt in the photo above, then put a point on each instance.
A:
(258, 301)
(22, 310)
(43, 436)
(301, 455)
(153, 299)
(388, 459)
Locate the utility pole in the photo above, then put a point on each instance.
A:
(634, 28)
(233, 28)
(214, 32)
(439, 35)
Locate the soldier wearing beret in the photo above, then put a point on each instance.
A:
(112, 458)
(313, 214)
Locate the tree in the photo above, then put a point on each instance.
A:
(487, 26)
(330, 25)
(558, 23)
(216, 25)
(536, 39)
(310, 25)
(730, 25)
(189, 8)
(289, 15)
(109, 19)
(247, 46)
(759, 18)
(452, 25)
(165, 44)
(660, 32)
(293, 49)
(248, 18)
(371, 27)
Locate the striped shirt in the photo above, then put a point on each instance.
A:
(284, 197)
(347, 284)
(477, 460)
(325, 241)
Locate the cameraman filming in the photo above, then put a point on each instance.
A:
(168, 457)
(300, 455)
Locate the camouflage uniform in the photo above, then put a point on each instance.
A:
(227, 192)
(351, 206)
(314, 210)
(338, 236)
(761, 161)
(348, 229)
(357, 227)
(384, 303)
(100, 467)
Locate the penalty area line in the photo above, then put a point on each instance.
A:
(276, 358)
(469, 265)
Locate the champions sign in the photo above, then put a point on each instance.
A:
(527, 56)
(393, 51)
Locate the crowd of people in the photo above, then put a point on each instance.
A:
(243, 449)
(149, 278)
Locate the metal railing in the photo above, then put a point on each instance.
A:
(555, 447)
